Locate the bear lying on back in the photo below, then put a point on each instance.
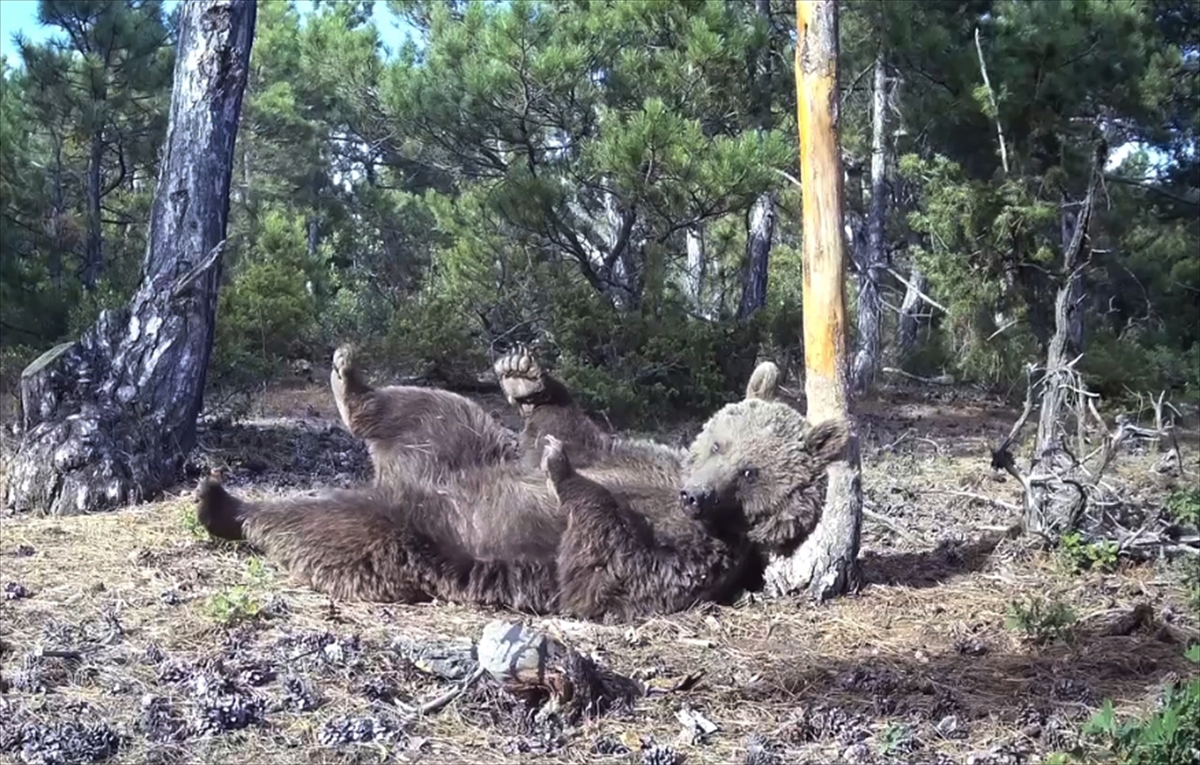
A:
(571, 520)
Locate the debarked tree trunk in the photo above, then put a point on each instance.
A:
(109, 418)
(826, 565)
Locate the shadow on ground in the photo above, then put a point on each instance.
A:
(1043, 693)
(927, 568)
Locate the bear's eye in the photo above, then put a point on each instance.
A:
(750, 473)
(715, 447)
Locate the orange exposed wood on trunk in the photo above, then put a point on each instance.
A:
(821, 189)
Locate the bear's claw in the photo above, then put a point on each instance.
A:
(343, 360)
(519, 373)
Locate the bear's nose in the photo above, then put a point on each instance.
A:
(697, 499)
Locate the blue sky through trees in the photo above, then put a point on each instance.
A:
(21, 16)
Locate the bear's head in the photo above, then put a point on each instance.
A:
(758, 465)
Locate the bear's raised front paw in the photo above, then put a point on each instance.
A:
(554, 459)
(519, 373)
(343, 360)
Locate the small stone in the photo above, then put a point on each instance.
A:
(950, 727)
(857, 753)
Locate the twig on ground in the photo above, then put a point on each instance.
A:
(438, 702)
(883, 519)
(980, 497)
(897, 442)
(939, 380)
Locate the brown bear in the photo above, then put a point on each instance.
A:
(601, 527)
(414, 433)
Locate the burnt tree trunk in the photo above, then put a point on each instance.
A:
(760, 233)
(109, 418)
(874, 260)
(827, 563)
(760, 228)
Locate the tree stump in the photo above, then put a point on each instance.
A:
(535, 667)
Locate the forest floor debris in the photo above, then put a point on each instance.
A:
(131, 637)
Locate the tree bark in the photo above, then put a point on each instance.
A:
(109, 418)
(1056, 496)
(93, 262)
(696, 271)
(866, 360)
(1071, 311)
(760, 231)
(760, 234)
(827, 563)
(909, 313)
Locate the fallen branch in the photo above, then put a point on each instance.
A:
(883, 519)
(939, 380)
(980, 497)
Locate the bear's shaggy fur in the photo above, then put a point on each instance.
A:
(600, 527)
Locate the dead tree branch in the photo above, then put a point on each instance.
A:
(992, 100)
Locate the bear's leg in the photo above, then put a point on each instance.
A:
(361, 545)
(346, 544)
(414, 432)
(547, 407)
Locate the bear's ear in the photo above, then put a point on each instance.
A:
(764, 383)
(826, 440)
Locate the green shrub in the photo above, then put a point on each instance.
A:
(13, 360)
(1183, 506)
(1170, 735)
(652, 364)
(1132, 362)
(1042, 621)
(1083, 556)
(434, 335)
(268, 310)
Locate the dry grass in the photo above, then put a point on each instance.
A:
(919, 663)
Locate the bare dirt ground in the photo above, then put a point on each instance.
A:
(132, 636)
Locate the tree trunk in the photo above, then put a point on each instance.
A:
(1053, 505)
(1055, 497)
(909, 313)
(109, 418)
(93, 263)
(1071, 312)
(827, 563)
(866, 360)
(695, 272)
(760, 233)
